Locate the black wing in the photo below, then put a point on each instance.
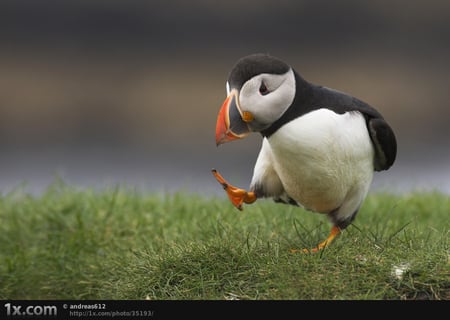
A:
(311, 97)
(385, 144)
(381, 134)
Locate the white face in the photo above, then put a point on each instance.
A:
(267, 97)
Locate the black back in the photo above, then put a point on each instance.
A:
(310, 97)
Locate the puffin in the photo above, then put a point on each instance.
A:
(320, 146)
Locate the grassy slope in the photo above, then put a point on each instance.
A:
(120, 244)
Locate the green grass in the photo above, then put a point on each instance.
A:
(124, 244)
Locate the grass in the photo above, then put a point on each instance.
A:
(123, 244)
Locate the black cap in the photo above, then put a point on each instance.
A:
(252, 65)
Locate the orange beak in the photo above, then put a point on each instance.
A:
(230, 125)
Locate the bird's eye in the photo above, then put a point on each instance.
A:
(263, 89)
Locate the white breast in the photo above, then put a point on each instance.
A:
(324, 160)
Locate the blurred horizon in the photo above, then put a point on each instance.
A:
(105, 92)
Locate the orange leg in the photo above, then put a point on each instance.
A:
(237, 196)
(335, 231)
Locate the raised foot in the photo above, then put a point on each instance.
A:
(335, 231)
(237, 196)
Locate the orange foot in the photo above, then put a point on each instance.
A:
(335, 231)
(237, 196)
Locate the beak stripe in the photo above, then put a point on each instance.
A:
(236, 123)
(230, 123)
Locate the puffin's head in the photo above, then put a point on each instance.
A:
(260, 89)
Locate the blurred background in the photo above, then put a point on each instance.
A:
(102, 93)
